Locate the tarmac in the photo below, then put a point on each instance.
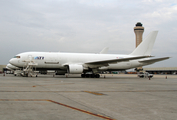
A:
(111, 97)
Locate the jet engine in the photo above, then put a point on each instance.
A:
(75, 69)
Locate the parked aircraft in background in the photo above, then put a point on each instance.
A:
(11, 67)
(83, 63)
(16, 70)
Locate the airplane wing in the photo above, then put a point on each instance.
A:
(150, 61)
(111, 61)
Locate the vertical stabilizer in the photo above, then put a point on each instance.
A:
(145, 47)
(105, 50)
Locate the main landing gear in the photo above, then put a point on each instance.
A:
(90, 75)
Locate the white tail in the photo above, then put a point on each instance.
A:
(105, 50)
(145, 47)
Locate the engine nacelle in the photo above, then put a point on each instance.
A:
(75, 69)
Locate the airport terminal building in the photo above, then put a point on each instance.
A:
(161, 70)
(3, 68)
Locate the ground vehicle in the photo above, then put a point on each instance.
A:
(145, 75)
(17, 72)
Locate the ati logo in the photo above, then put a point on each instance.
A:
(39, 58)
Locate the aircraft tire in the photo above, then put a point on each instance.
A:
(87, 75)
(97, 76)
(92, 75)
(83, 75)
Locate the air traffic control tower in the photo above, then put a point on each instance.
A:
(139, 29)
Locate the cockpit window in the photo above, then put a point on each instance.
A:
(17, 57)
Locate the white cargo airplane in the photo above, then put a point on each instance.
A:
(82, 63)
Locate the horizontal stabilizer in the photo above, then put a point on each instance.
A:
(150, 61)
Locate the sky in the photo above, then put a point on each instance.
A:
(86, 26)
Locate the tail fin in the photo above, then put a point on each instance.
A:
(145, 47)
(105, 50)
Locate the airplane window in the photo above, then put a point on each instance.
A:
(17, 57)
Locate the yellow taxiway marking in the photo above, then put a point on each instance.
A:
(81, 110)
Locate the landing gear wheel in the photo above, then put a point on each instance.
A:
(92, 75)
(83, 75)
(87, 75)
(97, 76)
